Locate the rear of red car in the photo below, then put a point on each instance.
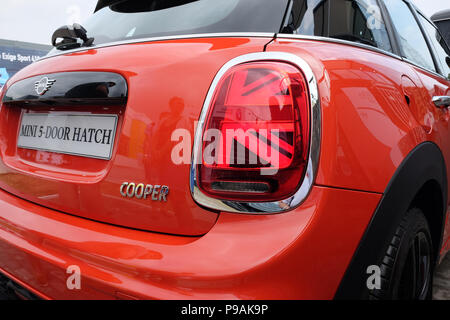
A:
(103, 166)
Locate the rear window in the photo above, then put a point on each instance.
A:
(134, 19)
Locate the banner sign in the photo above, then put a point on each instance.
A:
(14, 58)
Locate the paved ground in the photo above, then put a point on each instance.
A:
(441, 290)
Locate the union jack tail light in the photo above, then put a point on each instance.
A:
(255, 138)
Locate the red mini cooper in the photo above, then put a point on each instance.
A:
(239, 149)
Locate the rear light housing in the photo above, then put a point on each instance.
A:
(2, 90)
(257, 142)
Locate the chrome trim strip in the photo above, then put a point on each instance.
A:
(355, 44)
(339, 41)
(424, 69)
(314, 152)
(154, 39)
(440, 20)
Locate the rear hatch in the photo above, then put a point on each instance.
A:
(108, 116)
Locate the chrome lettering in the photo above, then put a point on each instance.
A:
(122, 192)
(143, 191)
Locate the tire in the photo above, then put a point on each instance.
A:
(5, 292)
(407, 267)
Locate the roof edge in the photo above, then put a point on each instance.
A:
(441, 15)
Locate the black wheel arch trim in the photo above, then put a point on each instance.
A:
(423, 164)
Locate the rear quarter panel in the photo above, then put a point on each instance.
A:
(368, 128)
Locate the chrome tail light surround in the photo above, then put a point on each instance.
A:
(314, 146)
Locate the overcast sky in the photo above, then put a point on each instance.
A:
(35, 21)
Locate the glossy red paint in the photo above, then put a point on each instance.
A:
(367, 131)
(159, 103)
(242, 257)
(368, 126)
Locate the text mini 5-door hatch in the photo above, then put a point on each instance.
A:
(240, 149)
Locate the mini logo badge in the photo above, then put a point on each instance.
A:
(43, 85)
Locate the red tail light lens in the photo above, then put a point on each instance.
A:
(256, 134)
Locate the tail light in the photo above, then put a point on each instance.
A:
(252, 145)
(1, 92)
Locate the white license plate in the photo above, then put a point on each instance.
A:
(90, 136)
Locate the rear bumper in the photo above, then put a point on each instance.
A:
(301, 254)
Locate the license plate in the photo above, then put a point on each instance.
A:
(90, 136)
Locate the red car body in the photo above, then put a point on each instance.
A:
(59, 210)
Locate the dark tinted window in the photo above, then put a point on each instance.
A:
(132, 19)
(440, 47)
(353, 20)
(444, 27)
(412, 41)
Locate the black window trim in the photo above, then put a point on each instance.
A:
(390, 28)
